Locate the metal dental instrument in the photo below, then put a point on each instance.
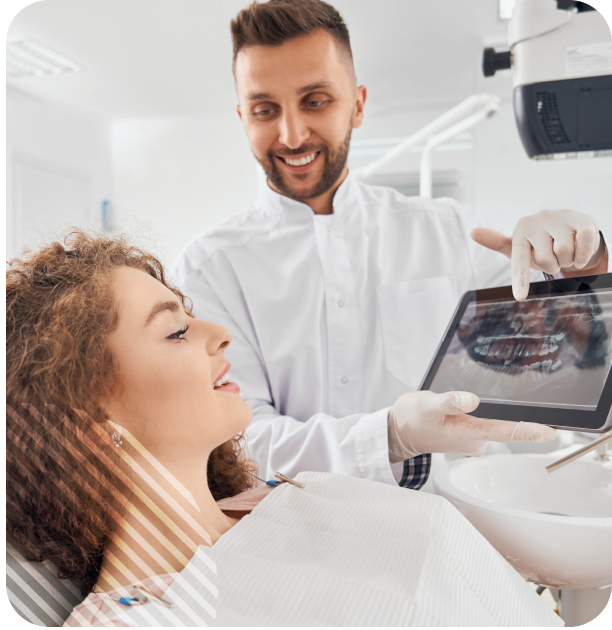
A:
(284, 479)
(602, 456)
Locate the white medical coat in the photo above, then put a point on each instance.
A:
(334, 316)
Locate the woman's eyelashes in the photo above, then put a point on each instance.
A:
(178, 333)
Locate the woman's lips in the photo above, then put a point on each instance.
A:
(229, 388)
(223, 372)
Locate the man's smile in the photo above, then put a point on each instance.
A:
(299, 163)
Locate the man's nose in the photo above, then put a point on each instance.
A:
(293, 130)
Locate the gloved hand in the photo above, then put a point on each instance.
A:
(549, 241)
(425, 422)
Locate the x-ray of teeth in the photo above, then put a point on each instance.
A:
(549, 351)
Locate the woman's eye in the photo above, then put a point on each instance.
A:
(178, 333)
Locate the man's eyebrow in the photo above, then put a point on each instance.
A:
(161, 307)
(258, 96)
(320, 85)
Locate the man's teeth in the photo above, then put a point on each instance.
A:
(305, 160)
(221, 381)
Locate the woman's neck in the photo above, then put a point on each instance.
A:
(170, 513)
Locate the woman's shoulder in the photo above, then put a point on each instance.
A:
(99, 610)
(245, 501)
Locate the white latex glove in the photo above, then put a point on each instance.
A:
(425, 422)
(548, 241)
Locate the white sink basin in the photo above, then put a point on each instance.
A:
(554, 528)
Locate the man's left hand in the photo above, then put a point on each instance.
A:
(549, 241)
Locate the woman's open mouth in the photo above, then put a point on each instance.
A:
(225, 385)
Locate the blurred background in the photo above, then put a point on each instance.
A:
(132, 123)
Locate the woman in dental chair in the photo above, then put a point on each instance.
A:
(128, 471)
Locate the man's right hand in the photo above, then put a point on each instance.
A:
(425, 422)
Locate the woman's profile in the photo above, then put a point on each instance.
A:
(128, 470)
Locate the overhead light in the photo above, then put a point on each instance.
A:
(506, 8)
(27, 58)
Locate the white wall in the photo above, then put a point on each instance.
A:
(507, 184)
(62, 157)
(176, 177)
(401, 124)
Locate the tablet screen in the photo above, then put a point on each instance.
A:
(549, 351)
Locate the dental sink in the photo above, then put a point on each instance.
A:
(554, 528)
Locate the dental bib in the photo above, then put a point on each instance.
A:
(344, 551)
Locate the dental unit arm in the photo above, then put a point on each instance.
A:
(601, 443)
(560, 52)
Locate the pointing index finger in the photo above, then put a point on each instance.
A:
(520, 265)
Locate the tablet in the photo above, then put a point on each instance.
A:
(544, 360)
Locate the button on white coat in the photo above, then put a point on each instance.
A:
(319, 378)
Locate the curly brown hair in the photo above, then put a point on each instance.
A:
(63, 474)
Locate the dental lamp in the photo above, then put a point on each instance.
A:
(561, 59)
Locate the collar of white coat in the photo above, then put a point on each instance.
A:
(271, 202)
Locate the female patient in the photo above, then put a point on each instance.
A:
(127, 468)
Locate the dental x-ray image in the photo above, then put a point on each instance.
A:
(549, 351)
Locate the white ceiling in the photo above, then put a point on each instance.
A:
(146, 58)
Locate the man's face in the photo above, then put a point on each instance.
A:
(299, 106)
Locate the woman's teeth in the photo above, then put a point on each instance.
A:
(305, 160)
(221, 381)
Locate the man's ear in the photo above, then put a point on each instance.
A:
(239, 112)
(361, 96)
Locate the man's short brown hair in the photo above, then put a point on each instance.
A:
(274, 22)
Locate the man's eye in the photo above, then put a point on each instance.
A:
(263, 112)
(314, 104)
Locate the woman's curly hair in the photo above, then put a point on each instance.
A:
(61, 498)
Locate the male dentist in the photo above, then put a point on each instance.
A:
(337, 293)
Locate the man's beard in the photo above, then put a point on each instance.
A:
(334, 164)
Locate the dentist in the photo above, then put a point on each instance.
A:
(337, 292)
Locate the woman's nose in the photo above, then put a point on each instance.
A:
(217, 338)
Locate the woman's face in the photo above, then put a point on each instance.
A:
(167, 364)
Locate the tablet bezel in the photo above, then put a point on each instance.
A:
(596, 421)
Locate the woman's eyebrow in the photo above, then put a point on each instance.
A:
(161, 307)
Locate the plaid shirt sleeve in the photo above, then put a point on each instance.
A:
(416, 472)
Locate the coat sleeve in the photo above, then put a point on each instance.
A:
(355, 445)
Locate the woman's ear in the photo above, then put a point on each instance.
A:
(114, 427)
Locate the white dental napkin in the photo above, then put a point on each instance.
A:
(351, 552)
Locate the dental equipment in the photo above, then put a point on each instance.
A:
(560, 52)
(600, 443)
(446, 127)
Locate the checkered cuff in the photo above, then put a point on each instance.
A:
(416, 472)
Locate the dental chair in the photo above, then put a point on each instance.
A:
(35, 591)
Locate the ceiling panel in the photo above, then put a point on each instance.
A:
(173, 57)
